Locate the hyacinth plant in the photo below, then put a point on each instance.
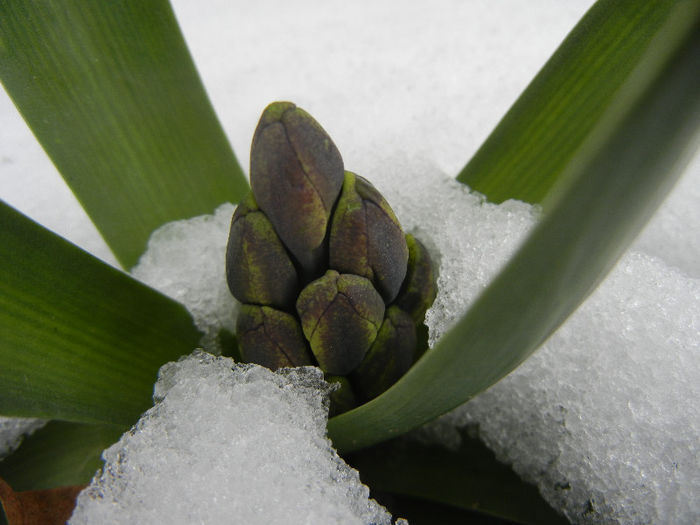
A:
(595, 139)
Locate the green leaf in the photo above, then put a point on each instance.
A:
(111, 93)
(540, 135)
(59, 454)
(470, 478)
(611, 188)
(79, 340)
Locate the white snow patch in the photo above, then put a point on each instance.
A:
(673, 235)
(186, 260)
(229, 443)
(604, 417)
(14, 429)
(469, 238)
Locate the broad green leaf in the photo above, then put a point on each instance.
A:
(79, 340)
(111, 93)
(470, 478)
(59, 454)
(540, 135)
(610, 189)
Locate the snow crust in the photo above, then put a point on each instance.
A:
(13, 430)
(673, 235)
(186, 261)
(604, 416)
(228, 443)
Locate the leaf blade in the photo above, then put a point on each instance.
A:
(59, 454)
(111, 93)
(589, 221)
(469, 478)
(79, 340)
(540, 134)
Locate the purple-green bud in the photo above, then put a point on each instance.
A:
(340, 316)
(258, 268)
(420, 287)
(366, 238)
(362, 321)
(296, 173)
(271, 338)
(389, 357)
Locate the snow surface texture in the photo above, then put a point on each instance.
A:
(204, 454)
(674, 233)
(183, 258)
(604, 417)
(13, 430)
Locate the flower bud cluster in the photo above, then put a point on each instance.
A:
(324, 271)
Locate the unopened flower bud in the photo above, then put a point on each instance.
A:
(366, 238)
(271, 338)
(296, 173)
(419, 288)
(340, 316)
(258, 268)
(361, 322)
(389, 357)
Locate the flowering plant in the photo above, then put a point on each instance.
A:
(74, 329)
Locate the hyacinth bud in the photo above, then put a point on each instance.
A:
(420, 288)
(366, 238)
(296, 173)
(324, 270)
(271, 338)
(258, 268)
(340, 316)
(389, 357)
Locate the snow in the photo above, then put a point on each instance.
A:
(204, 454)
(13, 430)
(674, 234)
(602, 417)
(186, 261)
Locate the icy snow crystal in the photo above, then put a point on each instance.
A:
(228, 443)
(673, 235)
(186, 261)
(13, 429)
(604, 417)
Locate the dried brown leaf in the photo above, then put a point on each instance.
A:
(38, 507)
